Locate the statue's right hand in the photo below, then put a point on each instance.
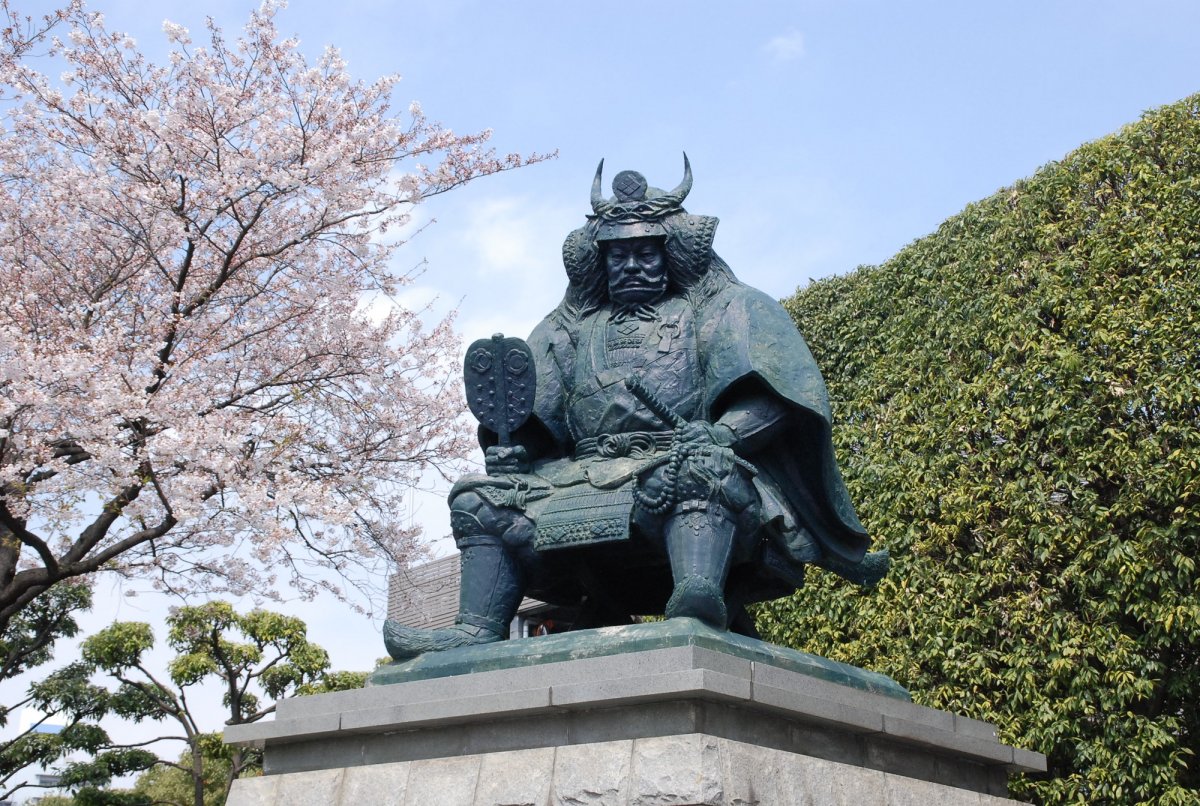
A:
(505, 461)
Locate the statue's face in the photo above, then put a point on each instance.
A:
(637, 269)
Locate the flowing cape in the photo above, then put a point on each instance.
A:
(746, 337)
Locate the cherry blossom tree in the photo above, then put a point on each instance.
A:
(191, 388)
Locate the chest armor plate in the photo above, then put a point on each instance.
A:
(659, 346)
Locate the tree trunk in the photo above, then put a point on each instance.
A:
(197, 774)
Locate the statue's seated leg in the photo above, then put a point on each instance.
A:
(492, 581)
(701, 535)
(699, 545)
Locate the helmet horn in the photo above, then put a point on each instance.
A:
(597, 195)
(680, 193)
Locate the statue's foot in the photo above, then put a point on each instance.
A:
(407, 642)
(875, 566)
(872, 568)
(699, 598)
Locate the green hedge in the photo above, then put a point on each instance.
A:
(1017, 410)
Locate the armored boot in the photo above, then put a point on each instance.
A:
(699, 541)
(488, 598)
(867, 572)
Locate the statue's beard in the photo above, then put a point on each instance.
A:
(625, 295)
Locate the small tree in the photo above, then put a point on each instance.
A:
(76, 706)
(192, 390)
(57, 800)
(251, 656)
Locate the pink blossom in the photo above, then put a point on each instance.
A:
(190, 389)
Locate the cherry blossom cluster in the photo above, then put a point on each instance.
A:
(191, 389)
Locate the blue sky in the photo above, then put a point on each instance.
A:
(825, 135)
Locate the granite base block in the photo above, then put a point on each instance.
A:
(685, 770)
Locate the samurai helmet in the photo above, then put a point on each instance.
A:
(636, 209)
(640, 211)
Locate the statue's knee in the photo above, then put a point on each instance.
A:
(716, 477)
(519, 537)
(474, 520)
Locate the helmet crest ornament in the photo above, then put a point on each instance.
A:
(634, 200)
(629, 186)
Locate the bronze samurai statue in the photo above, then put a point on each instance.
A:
(674, 456)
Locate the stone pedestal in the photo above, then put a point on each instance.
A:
(692, 717)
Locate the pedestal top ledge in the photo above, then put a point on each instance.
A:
(630, 640)
(616, 667)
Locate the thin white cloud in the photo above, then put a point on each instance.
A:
(481, 327)
(786, 47)
(507, 235)
(514, 248)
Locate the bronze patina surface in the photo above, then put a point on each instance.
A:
(659, 445)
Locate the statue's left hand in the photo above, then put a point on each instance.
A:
(506, 461)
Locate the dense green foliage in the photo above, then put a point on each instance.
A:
(92, 796)
(1017, 406)
(335, 681)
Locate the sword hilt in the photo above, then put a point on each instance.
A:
(651, 401)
